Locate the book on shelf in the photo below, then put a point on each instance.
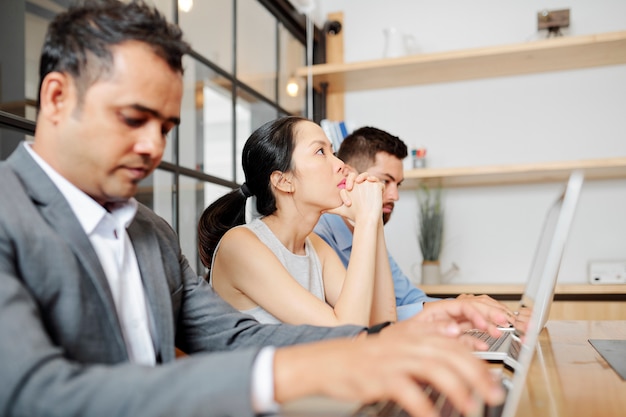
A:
(336, 131)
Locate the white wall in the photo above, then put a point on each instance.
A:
(491, 232)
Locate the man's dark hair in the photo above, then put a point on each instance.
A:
(359, 148)
(78, 40)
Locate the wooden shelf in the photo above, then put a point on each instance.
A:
(553, 54)
(605, 168)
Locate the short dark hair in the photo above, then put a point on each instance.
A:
(359, 148)
(78, 40)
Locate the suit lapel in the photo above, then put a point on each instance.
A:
(149, 259)
(59, 215)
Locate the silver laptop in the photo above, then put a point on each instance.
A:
(513, 370)
(543, 274)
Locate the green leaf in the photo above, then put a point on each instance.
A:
(430, 218)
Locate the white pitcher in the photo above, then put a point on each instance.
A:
(398, 44)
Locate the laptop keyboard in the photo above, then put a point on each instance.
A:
(381, 409)
(494, 343)
(515, 348)
(440, 401)
(391, 409)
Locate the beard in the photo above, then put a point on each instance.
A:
(387, 216)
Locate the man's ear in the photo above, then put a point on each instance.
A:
(281, 181)
(56, 91)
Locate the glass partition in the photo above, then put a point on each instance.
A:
(256, 48)
(251, 114)
(158, 193)
(291, 89)
(235, 80)
(9, 140)
(191, 206)
(208, 27)
(207, 125)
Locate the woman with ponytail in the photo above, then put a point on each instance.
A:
(258, 240)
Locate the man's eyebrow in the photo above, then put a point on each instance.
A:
(139, 107)
(391, 177)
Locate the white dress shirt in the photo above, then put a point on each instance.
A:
(107, 233)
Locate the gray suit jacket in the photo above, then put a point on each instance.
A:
(61, 347)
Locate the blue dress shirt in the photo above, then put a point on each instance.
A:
(409, 299)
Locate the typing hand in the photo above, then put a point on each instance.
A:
(468, 313)
(487, 300)
(393, 365)
(521, 319)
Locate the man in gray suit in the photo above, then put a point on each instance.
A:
(95, 293)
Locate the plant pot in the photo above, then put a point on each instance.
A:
(431, 273)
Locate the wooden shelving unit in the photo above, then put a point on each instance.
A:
(571, 301)
(605, 168)
(553, 54)
(574, 290)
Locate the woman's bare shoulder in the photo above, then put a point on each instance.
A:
(239, 238)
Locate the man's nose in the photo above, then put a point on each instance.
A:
(391, 192)
(151, 142)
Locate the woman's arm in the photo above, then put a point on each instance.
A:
(368, 275)
(247, 273)
(384, 303)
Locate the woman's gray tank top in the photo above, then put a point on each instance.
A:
(305, 269)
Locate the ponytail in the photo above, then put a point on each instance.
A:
(222, 215)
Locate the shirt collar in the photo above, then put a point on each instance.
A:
(86, 209)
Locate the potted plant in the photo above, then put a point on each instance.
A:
(430, 236)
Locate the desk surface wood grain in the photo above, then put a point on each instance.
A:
(568, 377)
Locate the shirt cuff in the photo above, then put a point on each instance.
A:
(263, 382)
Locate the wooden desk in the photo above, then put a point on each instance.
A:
(571, 301)
(568, 377)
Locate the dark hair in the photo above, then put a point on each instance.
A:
(359, 148)
(78, 40)
(268, 149)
